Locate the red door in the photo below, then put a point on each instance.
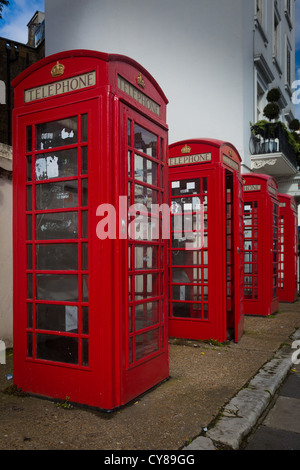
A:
(144, 255)
(55, 320)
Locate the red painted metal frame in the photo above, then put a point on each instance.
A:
(110, 376)
(261, 244)
(218, 286)
(288, 249)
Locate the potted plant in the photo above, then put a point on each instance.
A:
(271, 112)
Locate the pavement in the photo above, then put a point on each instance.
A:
(229, 396)
(266, 411)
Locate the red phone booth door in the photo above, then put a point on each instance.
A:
(206, 270)
(53, 245)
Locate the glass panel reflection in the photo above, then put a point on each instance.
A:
(61, 164)
(145, 141)
(56, 133)
(57, 287)
(58, 256)
(57, 317)
(56, 226)
(57, 348)
(60, 195)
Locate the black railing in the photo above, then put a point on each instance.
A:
(272, 138)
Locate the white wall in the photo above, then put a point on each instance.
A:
(196, 50)
(6, 268)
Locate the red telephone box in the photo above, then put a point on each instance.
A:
(261, 217)
(205, 256)
(288, 249)
(90, 301)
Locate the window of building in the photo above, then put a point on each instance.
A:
(259, 10)
(288, 64)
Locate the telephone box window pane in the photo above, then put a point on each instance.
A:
(29, 168)
(146, 285)
(129, 132)
(29, 344)
(57, 257)
(146, 315)
(85, 352)
(146, 344)
(145, 170)
(84, 160)
(57, 348)
(29, 198)
(29, 227)
(57, 287)
(145, 196)
(146, 257)
(57, 317)
(61, 164)
(84, 224)
(60, 225)
(29, 139)
(85, 288)
(56, 133)
(85, 320)
(84, 128)
(84, 193)
(29, 315)
(29, 286)
(184, 187)
(60, 195)
(85, 257)
(29, 256)
(181, 310)
(145, 141)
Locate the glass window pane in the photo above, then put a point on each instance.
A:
(60, 195)
(146, 344)
(146, 257)
(84, 194)
(57, 317)
(56, 133)
(85, 352)
(85, 320)
(60, 225)
(145, 141)
(57, 348)
(29, 139)
(146, 315)
(58, 256)
(29, 256)
(146, 285)
(84, 128)
(29, 198)
(29, 168)
(61, 164)
(85, 257)
(85, 225)
(29, 315)
(29, 344)
(58, 287)
(145, 170)
(84, 160)
(183, 187)
(29, 227)
(145, 196)
(85, 288)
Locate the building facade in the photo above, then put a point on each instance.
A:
(15, 58)
(216, 61)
